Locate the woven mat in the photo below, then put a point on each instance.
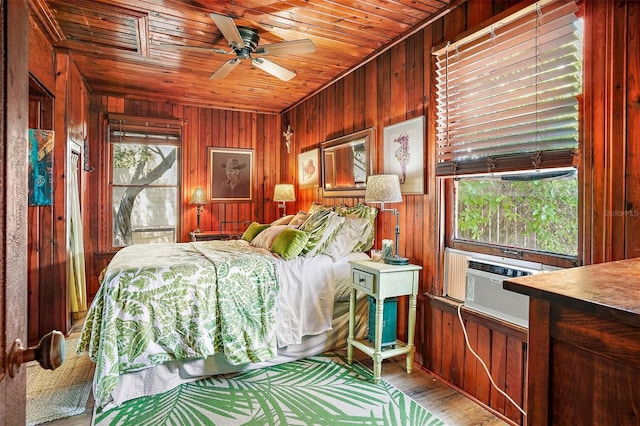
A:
(321, 390)
(63, 392)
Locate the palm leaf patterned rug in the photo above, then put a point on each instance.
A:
(321, 390)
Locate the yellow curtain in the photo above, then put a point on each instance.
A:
(77, 277)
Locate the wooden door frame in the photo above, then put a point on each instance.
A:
(14, 116)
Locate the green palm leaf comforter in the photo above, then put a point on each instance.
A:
(162, 302)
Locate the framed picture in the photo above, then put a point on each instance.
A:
(309, 169)
(230, 174)
(404, 154)
(41, 167)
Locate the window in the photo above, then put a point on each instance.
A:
(145, 180)
(508, 131)
(536, 211)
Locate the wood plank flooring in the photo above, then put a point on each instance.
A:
(454, 408)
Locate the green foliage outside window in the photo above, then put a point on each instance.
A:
(536, 214)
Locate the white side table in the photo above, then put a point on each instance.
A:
(381, 281)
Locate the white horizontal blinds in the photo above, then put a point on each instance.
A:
(507, 95)
(134, 129)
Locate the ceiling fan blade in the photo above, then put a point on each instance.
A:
(294, 47)
(228, 29)
(274, 69)
(225, 69)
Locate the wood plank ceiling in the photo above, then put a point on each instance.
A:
(133, 48)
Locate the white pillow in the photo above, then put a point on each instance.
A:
(345, 240)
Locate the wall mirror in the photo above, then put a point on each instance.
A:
(347, 161)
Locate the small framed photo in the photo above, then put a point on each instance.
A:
(230, 174)
(404, 154)
(309, 169)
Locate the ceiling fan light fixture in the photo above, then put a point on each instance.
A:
(244, 41)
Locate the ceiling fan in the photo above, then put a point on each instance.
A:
(244, 44)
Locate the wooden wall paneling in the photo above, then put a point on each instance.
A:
(215, 139)
(433, 357)
(430, 202)
(370, 97)
(194, 158)
(384, 229)
(41, 57)
(447, 346)
(338, 122)
(247, 139)
(514, 380)
(92, 197)
(478, 11)
(55, 283)
(347, 101)
(40, 117)
(360, 99)
(265, 175)
(617, 154)
(632, 135)
(34, 251)
(539, 348)
(115, 104)
(594, 138)
(483, 383)
(471, 364)
(455, 22)
(397, 114)
(230, 209)
(458, 352)
(498, 365)
(302, 142)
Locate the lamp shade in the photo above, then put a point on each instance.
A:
(197, 197)
(383, 189)
(284, 192)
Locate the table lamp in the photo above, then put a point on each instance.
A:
(386, 189)
(282, 193)
(198, 199)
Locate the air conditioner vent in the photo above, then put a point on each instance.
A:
(504, 270)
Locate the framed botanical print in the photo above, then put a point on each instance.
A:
(309, 169)
(230, 174)
(404, 154)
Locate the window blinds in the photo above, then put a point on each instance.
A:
(507, 95)
(134, 129)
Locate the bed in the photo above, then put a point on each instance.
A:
(166, 314)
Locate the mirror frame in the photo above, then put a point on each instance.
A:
(368, 137)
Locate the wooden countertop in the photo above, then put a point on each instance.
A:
(610, 289)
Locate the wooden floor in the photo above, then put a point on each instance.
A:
(452, 407)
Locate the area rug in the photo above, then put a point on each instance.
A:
(322, 390)
(63, 392)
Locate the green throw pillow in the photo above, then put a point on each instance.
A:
(253, 230)
(289, 243)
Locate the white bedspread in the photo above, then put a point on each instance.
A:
(308, 288)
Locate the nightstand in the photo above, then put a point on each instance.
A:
(208, 236)
(380, 281)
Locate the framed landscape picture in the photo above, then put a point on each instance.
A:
(230, 174)
(404, 154)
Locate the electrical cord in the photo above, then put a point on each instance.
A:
(466, 339)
